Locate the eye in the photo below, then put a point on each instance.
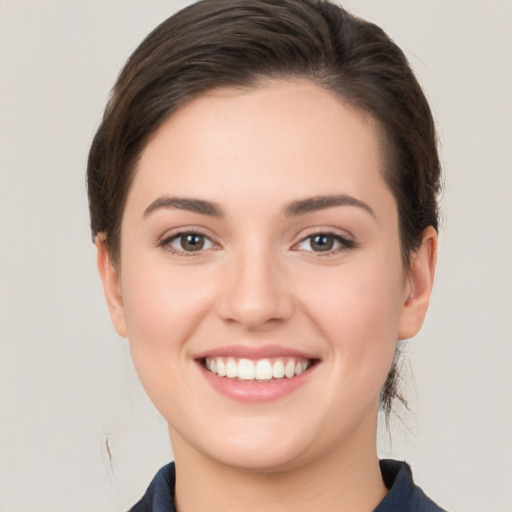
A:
(324, 242)
(188, 242)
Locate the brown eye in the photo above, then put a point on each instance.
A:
(322, 242)
(326, 243)
(187, 243)
(192, 242)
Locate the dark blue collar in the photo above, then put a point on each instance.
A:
(403, 495)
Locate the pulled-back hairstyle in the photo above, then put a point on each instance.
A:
(241, 43)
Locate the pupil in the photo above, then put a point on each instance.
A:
(322, 243)
(192, 242)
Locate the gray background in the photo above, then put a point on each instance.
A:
(66, 380)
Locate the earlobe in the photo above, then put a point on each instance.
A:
(421, 279)
(111, 286)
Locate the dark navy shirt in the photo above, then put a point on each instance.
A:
(403, 495)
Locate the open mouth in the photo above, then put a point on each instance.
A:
(259, 370)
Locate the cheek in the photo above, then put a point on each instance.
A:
(157, 297)
(364, 298)
(358, 310)
(163, 310)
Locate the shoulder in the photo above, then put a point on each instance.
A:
(159, 496)
(403, 495)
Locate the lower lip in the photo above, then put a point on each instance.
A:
(249, 391)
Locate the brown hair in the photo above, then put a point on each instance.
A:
(239, 43)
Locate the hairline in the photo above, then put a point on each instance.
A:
(253, 83)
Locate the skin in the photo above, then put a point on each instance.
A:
(258, 282)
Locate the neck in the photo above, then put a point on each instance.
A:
(346, 479)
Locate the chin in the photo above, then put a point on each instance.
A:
(260, 460)
(262, 448)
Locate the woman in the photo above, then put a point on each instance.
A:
(263, 192)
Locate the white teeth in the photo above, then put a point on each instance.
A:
(221, 368)
(231, 368)
(289, 369)
(246, 369)
(301, 367)
(260, 370)
(278, 369)
(263, 370)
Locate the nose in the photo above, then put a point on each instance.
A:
(255, 292)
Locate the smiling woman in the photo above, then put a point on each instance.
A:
(263, 200)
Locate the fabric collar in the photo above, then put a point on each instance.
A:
(403, 495)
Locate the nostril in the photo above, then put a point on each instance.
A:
(255, 293)
(254, 312)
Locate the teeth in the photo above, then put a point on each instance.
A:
(263, 370)
(260, 370)
(246, 370)
(221, 368)
(231, 369)
(278, 369)
(289, 369)
(300, 367)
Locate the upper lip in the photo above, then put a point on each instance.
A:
(254, 352)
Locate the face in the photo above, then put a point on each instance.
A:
(260, 282)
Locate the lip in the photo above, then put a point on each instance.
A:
(254, 352)
(250, 391)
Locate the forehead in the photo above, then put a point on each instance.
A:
(279, 141)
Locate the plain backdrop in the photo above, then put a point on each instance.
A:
(67, 385)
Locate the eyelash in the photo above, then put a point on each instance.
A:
(344, 243)
(165, 243)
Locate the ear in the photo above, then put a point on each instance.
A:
(111, 286)
(419, 288)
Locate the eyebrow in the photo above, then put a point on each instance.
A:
(299, 207)
(312, 204)
(184, 203)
